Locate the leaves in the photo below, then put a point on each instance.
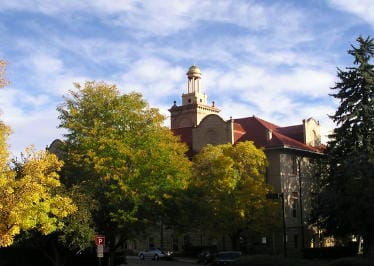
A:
(229, 185)
(346, 198)
(119, 147)
(31, 197)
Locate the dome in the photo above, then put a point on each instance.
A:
(194, 71)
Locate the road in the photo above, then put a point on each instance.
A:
(135, 261)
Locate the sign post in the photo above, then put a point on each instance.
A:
(100, 243)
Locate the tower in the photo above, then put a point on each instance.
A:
(194, 103)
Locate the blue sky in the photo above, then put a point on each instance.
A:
(272, 59)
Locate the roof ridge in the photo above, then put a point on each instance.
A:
(264, 123)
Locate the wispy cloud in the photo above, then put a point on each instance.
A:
(272, 59)
(364, 9)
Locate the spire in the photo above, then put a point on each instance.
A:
(194, 103)
(194, 87)
(194, 78)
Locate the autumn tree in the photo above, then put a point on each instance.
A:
(346, 200)
(117, 146)
(33, 200)
(228, 181)
(30, 199)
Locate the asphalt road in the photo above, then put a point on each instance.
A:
(135, 261)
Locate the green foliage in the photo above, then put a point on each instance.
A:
(118, 150)
(347, 201)
(228, 190)
(79, 230)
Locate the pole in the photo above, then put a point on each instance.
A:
(284, 227)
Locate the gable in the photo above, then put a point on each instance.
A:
(211, 130)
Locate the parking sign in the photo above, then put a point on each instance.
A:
(100, 240)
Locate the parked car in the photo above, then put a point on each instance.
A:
(206, 256)
(154, 254)
(226, 257)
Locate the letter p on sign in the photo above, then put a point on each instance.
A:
(100, 240)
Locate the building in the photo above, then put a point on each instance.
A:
(290, 151)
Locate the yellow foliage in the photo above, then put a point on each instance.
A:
(232, 180)
(32, 198)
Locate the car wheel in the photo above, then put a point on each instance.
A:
(141, 256)
(156, 257)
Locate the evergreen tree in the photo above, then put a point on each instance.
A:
(347, 198)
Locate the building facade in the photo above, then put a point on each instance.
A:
(290, 151)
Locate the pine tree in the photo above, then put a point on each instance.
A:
(347, 200)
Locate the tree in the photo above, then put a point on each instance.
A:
(67, 244)
(230, 184)
(31, 194)
(129, 162)
(346, 201)
(30, 199)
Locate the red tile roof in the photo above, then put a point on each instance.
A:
(257, 129)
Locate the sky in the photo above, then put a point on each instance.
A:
(276, 60)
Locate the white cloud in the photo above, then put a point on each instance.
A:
(361, 8)
(31, 119)
(39, 129)
(157, 79)
(46, 64)
(275, 60)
